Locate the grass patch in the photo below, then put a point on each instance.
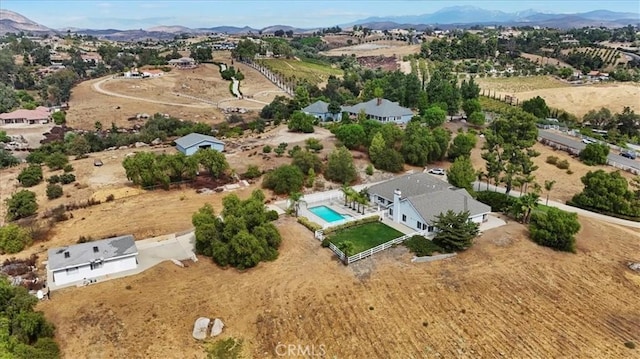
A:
(421, 246)
(519, 84)
(313, 72)
(230, 348)
(365, 236)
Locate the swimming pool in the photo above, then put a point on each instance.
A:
(327, 214)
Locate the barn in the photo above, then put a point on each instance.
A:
(92, 260)
(192, 142)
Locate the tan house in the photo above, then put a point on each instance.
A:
(40, 115)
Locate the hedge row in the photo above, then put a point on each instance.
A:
(355, 223)
(312, 226)
(499, 202)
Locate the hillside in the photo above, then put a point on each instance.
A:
(13, 22)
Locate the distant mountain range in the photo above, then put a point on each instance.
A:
(450, 17)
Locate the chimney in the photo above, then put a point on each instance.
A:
(397, 195)
(379, 102)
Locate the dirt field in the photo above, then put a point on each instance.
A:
(545, 61)
(506, 297)
(567, 185)
(154, 95)
(558, 94)
(378, 48)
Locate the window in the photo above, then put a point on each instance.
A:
(95, 249)
(67, 255)
(404, 218)
(424, 226)
(72, 270)
(96, 265)
(419, 224)
(391, 211)
(430, 228)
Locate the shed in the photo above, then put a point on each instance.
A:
(94, 259)
(192, 142)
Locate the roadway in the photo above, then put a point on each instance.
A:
(577, 144)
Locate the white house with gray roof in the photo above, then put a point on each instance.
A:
(90, 260)
(416, 199)
(320, 110)
(192, 142)
(381, 110)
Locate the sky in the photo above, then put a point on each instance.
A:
(122, 14)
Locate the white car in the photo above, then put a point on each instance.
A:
(437, 171)
(588, 141)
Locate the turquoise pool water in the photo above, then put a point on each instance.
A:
(326, 213)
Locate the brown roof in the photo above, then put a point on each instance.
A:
(40, 113)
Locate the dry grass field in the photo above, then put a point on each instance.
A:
(545, 60)
(115, 100)
(379, 48)
(505, 297)
(574, 99)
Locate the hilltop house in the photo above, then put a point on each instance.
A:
(320, 110)
(183, 63)
(381, 110)
(40, 115)
(192, 142)
(416, 199)
(86, 261)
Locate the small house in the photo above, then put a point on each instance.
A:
(192, 142)
(320, 110)
(91, 260)
(183, 63)
(41, 115)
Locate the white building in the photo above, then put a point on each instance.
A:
(90, 260)
(416, 199)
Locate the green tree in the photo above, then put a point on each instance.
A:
(594, 154)
(21, 204)
(301, 96)
(350, 135)
(295, 199)
(340, 167)
(477, 119)
(608, 193)
(536, 106)
(469, 90)
(30, 176)
(301, 122)
(13, 239)
(434, 116)
(377, 147)
(8, 98)
(461, 173)
(313, 144)
(455, 231)
(213, 161)
(56, 161)
(418, 143)
(284, 179)
(548, 186)
(59, 118)
(202, 54)
(79, 146)
(7, 159)
(306, 160)
(462, 145)
(555, 228)
(54, 191)
(470, 106)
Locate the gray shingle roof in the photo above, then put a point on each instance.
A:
(84, 253)
(429, 205)
(386, 108)
(410, 185)
(193, 139)
(317, 107)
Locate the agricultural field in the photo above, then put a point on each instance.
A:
(303, 70)
(542, 61)
(577, 100)
(395, 49)
(505, 297)
(611, 57)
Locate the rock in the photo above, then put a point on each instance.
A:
(216, 329)
(140, 144)
(156, 142)
(634, 266)
(123, 147)
(200, 328)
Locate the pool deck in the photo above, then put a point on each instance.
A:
(341, 210)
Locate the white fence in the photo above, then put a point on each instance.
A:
(372, 251)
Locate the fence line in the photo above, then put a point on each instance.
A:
(275, 79)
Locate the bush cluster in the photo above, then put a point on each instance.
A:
(499, 202)
(374, 218)
(421, 246)
(312, 226)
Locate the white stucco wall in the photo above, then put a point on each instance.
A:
(412, 216)
(65, 276)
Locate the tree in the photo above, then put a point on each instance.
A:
(350, 135)
(462, 145)
(8, 98)
(470, 106)
(21, 205)
(313, 144)
(59, 118)
(418, 143)
(340, 167)
(469, 90)
(334, 109)
(284, 179)
(295, 199)
(477, 119)
(434, 116)
(30, 176)
(7, 159)
(56, 161)
(54, 191)
(594, 154)
(301, 122)
(608, 193)
(555, 228)
(522, 206)
(301, 96)
(202, 54)
(537, 107)
(213, 161)
(306, 160)
(79, 146)
(461, 173)
(13, 239)
(455, 231)
(548, 186)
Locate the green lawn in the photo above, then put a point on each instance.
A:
(365, 236)
(312, 72)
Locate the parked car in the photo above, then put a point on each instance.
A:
(437, 171)
(97, 163)
(588, 141)
(628, 154)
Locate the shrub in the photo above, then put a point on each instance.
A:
(13, 238)
(312, 226)
(67, 168)
(54, 179)
(499, 202)
(56, 161)
(555, 228)
(110, 198)
(373, 218)
(22, 204)
(552, 160)
(369, 170)
(54, 191)
(252, 172)
(30, 176)
(266, 149)
(569, 172)
(421, 246)
(325, 242)
(630, 345)
(284, 179)
(67, 178)
(594, 154)
(563, 165)
(272, 215)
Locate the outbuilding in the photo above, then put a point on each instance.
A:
(192, 142)
(92, 260)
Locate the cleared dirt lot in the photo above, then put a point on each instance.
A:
(378, 48)
(576, 99)
(506, 297)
